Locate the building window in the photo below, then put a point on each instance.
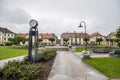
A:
(4, 34)
(8, 34)
(4, 39)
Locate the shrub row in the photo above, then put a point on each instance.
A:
(47, 55)
(16, 70)
(24, 70)
(18, 47)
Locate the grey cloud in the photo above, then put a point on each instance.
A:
(17, 16)
(65, 15)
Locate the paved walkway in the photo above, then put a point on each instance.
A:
(68, 66)
(2, 62)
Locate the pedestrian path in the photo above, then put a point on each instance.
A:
(2, 62)
(68, 66)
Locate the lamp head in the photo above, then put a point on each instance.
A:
(80, 25)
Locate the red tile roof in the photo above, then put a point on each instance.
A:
(74, 35)
(96, 34)
(46, 36)
(22, 34)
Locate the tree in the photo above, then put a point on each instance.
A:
(66, 40)
(16, 40)
(118, 36)
(107, 41)
(11, 40)
(23, 40)
(111, 40)
(40, 40)
(52, 40)
(99, 40)
(86, 40)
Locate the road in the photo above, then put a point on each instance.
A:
(68, 66)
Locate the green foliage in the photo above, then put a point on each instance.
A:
(47, 55)
(17, 40)
(79, 49)
(18, 47)
(107, 39)
(99, 40)
(40, 40)
(8, 52)
(16, 70)
(8, 44)
(118, 36)
(51, 39)
(11, 40)
(66, 39)
(86, 39)
(108, 66)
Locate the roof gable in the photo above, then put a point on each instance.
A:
(5, 30)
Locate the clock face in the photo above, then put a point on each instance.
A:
(33, 23)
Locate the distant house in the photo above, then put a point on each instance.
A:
(5, 34)
(96, 35)
(45, 37)
(74, 38)
(111, 36)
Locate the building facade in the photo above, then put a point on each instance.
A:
(113, 37)
(5, 34)
(74, 38)
(96, 35)
(78, 38)
(45, 37)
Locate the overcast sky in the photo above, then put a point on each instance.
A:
(58, 16)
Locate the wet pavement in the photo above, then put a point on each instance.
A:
(68, 66)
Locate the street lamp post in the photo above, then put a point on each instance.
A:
(83, 22)
(33, 33)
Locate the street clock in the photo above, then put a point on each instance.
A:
(33, 23)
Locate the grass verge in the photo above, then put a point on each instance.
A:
(6, 52)
(108, 66)
(79, 49)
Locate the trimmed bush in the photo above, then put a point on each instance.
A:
(47, 55)
(18, 47)
(8, 44)
(16, 70)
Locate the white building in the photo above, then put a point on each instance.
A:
(96, 35)
(5, 34)
(74, 38)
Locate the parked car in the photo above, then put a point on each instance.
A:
(115, 53)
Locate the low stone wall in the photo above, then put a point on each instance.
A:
(59, 49)
(104, 50)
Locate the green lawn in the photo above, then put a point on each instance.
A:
(79, 49)
(108, 66)
(6, 52)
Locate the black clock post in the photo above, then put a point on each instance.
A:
(33, 34)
